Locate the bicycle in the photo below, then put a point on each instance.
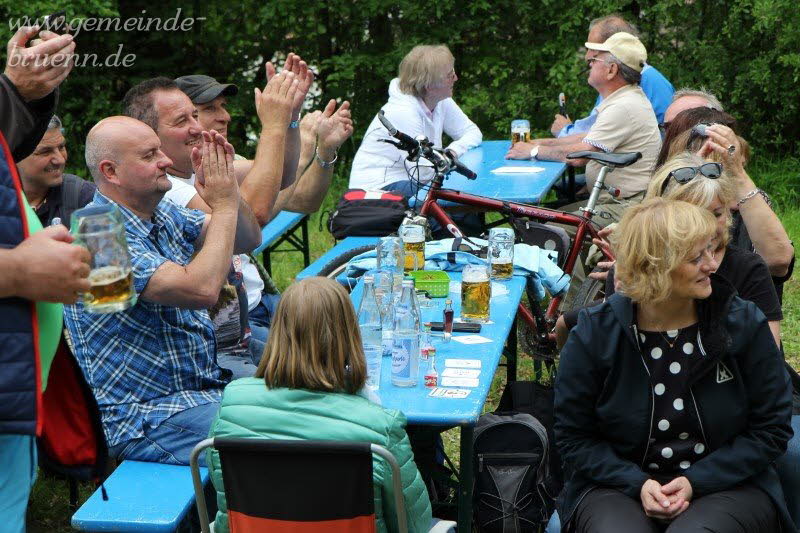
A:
(540, 337)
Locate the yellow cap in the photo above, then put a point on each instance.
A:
(624, 47)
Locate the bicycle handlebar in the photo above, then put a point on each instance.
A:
(444, 161)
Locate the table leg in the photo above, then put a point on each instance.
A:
(571, 183)
(466, 481)
(511, 353)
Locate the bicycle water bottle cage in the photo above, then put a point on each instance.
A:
(611, 160)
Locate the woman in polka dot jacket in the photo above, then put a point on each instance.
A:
(672, 401)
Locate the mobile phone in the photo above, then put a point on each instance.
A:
(562, 104)
(461, 327)
(700, 129)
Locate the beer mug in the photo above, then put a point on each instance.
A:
(475, 293)
(390, 253)
(520, 131)
(501, 253)
(413, 237)
(100, 229)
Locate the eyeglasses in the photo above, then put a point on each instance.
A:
(662, 127)
(684, 175)
(593, 60)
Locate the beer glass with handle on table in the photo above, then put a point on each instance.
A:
(501, 253)
(100, 229)
(520, 131)
(475, 293)
(413, 237)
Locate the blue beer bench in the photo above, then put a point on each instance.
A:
(283, 228)
(348, 243)
(142, 497)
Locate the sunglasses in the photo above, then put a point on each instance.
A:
(684, 175)
(662, 127)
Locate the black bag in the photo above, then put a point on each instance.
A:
(367, 214)
(537, 400)
(511, 464)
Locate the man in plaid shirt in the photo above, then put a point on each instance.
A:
(153, 367)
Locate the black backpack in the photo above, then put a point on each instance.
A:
(511, 467)
(367, 214)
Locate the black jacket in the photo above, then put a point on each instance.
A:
(604, 404)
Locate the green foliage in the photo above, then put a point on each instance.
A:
(512, 57)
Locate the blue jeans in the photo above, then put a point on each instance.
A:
(241, 365)
(17, 475)
(554, 525)
(172, 440)
(788, 467)
(260, 320)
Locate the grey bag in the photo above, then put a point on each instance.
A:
(511, 463)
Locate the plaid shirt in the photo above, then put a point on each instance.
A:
(150, 361)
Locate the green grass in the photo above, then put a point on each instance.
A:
(48, 511)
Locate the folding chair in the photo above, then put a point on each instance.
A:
(297, 485)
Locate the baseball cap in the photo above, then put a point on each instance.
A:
(624, 47)
(202, 89)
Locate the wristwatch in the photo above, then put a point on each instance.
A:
(534, 152)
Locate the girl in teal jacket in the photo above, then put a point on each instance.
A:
(306, 387)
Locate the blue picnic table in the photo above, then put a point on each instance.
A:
(529, 188)
(420, 408)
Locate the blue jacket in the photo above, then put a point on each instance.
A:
(603, 402)
(23, 125)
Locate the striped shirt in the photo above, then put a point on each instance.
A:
(150, 361)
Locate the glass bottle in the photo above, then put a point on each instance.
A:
(405, 347)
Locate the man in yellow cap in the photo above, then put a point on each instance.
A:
(625, 123)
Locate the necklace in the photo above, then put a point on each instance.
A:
(667, 336)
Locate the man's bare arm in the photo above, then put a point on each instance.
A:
(323, 133)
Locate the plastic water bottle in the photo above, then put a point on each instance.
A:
(405, 348)
(369, 322)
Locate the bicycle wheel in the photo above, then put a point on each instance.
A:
(590, 291)
(336, 266)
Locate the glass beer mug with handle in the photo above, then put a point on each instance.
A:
(475, 293)
(501, 253)
(520, 131)
(100, 229)
(413, 237)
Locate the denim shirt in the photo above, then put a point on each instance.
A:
(150, 361)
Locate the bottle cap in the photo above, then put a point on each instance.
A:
(409, 282)
(448, 302)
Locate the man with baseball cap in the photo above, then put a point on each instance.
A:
(625, 123)
(209, 96)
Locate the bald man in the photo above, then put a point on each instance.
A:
(153, 368)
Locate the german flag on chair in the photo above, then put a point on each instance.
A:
(297, 486)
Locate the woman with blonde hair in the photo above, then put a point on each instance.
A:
(671, 397)
(690, 178)
(307, 387)
(420, 103)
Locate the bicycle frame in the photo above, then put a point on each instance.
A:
(583, 224)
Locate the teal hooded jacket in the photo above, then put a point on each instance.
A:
(250, 409)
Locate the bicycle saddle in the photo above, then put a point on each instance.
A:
(612, 160)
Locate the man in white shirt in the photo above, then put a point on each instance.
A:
(420, 103)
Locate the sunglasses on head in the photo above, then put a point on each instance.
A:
(684, 175)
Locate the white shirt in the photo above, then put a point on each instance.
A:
(181, 193)
(378, 164)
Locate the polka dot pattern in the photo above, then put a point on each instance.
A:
(676, 440)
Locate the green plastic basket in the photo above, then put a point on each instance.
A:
(435, 282)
